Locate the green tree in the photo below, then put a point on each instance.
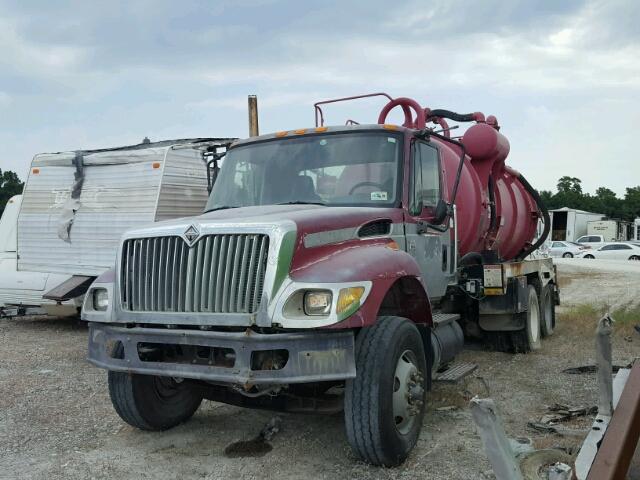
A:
(10, 185)
(632, 203)
(570, 193)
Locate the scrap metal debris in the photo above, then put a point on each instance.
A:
(561, 413)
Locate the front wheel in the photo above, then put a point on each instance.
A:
(385, 403)
(152, 403)
(634, 257)
(590, 257)
(567, 255)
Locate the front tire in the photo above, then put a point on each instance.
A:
(590, 257)
(385, 403)
(149, 402)
(567, 255)
(634, 257)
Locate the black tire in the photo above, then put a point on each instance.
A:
(590, 257)
(520, 341)
(547, 311)
(373, 429)
(634, 257)
(534, 320)
(567, 255)
(149, 402)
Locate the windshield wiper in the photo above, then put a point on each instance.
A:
(300, 202)
(224, 207)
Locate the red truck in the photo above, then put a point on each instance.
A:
(334, 267)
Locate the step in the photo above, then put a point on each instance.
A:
(442, 318)
(455, 372)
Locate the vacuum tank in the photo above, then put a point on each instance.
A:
(497, 210)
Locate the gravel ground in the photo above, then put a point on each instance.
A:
(56, 419)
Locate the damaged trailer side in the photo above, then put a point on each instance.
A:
(76, 205)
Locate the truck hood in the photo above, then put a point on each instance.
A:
(305, 219)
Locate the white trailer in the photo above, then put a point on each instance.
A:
(23, 293)
(76, 205)
(611, 230)
(569, 224)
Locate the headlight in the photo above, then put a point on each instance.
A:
(317, 302)
(348, 299)
(100, 299)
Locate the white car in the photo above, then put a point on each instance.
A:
(566, 249)
(615, 251)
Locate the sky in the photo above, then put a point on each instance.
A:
(563, 78)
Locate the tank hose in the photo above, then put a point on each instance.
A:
(545, 215)
(457, 117)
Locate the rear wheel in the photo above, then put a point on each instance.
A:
(525, 340)
(547, 311)
(385, 403)
(149, 402)
(634, 257)
(590, 257)
(567, 255)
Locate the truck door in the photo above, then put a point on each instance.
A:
(431, 249)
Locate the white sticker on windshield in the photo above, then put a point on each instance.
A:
(378, 196)
(391, 140)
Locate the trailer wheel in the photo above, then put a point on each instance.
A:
(385, 403)
(149, 402)
(548, 311)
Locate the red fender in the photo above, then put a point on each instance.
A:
(377, 261)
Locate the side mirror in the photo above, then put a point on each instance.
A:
(441, 213)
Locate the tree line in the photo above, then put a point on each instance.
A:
(10, 185)
(604, 201)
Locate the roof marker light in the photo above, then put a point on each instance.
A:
(281, 134)
(321, 129)
(300, 131)
(390, 126)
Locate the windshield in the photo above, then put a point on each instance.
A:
(333, 169)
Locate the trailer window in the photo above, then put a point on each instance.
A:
(360, 168)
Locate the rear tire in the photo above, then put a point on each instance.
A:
(385, 403)
(590, 257)
(547, 311)
(567, 255)
(149, 402)
(520, 341)
(532, 326)
(634, 257)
